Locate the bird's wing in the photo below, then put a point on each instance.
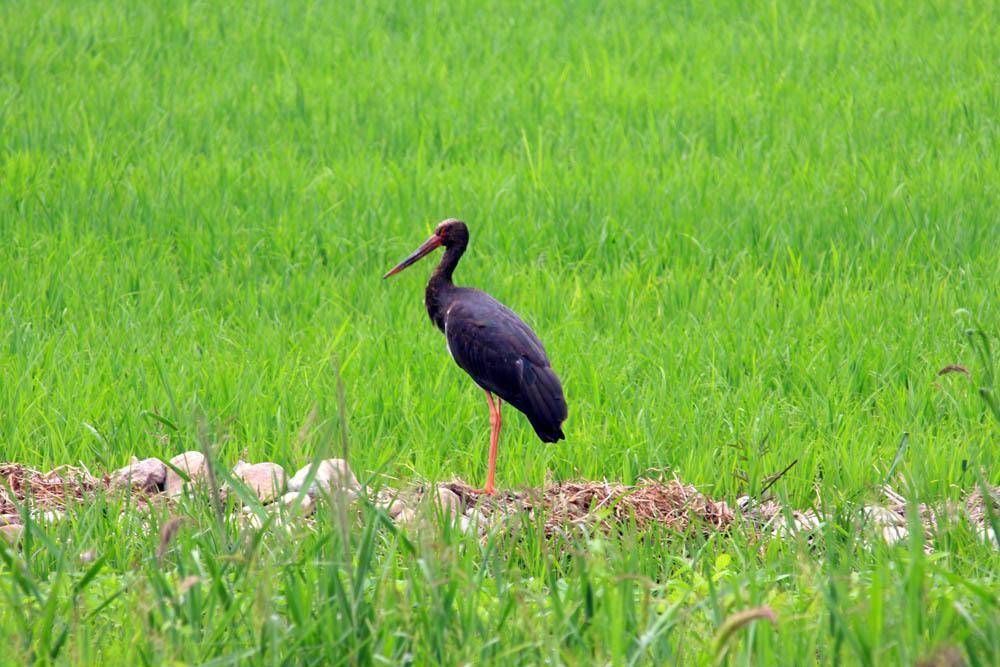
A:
(504, 356)
(491, 343)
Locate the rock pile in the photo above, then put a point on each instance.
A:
(563, 508)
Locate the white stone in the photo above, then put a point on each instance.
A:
(147, 474)
(880, 516)
(331, 475)
(252, 519)
(478, 518)
(448, 502)
(469, 526)
(49, 516)
(266, 480)
(802, 522)
(407, 516)
(307, 507)
(192, 464)
(894, 534)
(392, 507)
(987, 535)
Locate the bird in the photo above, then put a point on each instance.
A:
(491, 343)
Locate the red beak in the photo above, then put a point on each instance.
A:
(424, 249)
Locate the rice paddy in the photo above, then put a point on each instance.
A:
(750, 235)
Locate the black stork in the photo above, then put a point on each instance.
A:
(490, 343)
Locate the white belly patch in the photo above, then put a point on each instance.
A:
(447, 344)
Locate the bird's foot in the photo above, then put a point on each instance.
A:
(489, 491)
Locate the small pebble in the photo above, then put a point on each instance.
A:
(987, 535)
(448, 502)
(468, 526)
(392, 507)
(894, 534)
(49, 516)
(802, 522)
(406, 516)
(881, 516)
(11, 533)
(252, 519)
(477, 517)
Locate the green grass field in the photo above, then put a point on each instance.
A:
(743, 231)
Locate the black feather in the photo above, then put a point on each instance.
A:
(490, 342)
(504, 356)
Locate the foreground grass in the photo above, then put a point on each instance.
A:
(741, 234)
(325, 595)
(742, 231)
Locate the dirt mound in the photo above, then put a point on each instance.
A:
(563, 507)
(671, 504)
(55, 489)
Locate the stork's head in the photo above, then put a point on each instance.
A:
(452, 232)
(449, 233)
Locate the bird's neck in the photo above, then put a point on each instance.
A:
(440, 286)
(448, 263)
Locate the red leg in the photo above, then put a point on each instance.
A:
(494, 441)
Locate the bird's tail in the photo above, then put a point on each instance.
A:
(542, 400)
(548, 433)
